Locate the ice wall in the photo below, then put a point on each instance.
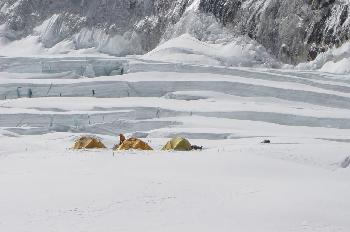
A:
(83, 67)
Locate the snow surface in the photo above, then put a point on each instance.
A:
(298, 183)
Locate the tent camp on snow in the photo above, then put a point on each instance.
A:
(175, 144)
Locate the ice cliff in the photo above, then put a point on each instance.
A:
(293, 30)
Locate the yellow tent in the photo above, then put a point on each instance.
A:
(87, 142)
(134, 143)
(178, 144)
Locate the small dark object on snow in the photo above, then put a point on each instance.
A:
(18, 92)
(30, 93)
(195, 147)
(266, 141)
(345, 163)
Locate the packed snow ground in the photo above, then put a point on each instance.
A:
(299, 182)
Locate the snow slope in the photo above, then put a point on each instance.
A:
(242, 52)
(298, 183)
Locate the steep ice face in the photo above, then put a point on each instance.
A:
(293, 31)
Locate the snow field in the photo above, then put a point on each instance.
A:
(294, 184)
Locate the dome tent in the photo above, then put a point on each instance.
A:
(132, 143)
(178, 144)
(88, 142)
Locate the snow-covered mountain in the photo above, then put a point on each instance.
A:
(292, 31)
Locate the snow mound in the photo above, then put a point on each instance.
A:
(334, 60)
(24, 47)
(199, 38)
(241, 52)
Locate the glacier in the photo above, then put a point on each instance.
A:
(225, 74)
(298, 183)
